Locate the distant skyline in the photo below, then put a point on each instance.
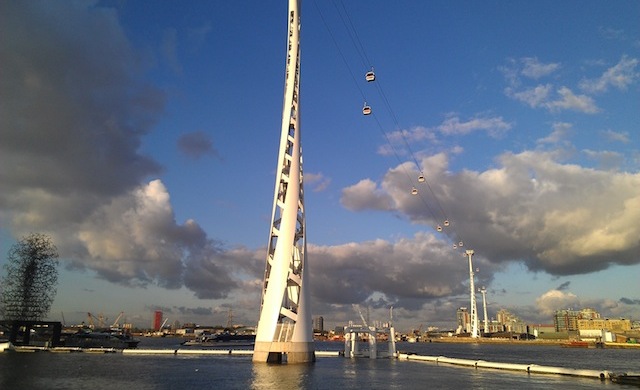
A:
(143, 138)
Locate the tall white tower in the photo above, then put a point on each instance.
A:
(483, 290)
(285, 330)
(474, 308)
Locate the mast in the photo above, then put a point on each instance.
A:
(474, 308)
(285, 330)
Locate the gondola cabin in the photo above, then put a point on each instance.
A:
(366, 110)
(370, 76)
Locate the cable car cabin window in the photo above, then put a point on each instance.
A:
(370, 76)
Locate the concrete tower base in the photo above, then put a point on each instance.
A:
(280, 352)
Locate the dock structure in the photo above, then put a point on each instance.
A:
(528, 368)
(357, 335)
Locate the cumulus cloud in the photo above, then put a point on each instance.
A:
(553, 300)
(365, 194)
(560, 218)
(75, 106)
(606, 159)
(628, 301)
(71, 82)
(405, 273)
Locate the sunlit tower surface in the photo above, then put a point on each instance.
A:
(483, 291)
(285, 329)
(474, 308)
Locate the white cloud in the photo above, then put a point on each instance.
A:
(569, 101)
(616, 136)
(535, 69)
(559, 133)
(606, 159)
(363, 195)
(553, 300)
(317, 181)
(534, 97)
(619, 76)
(560, 218)
(494, 126)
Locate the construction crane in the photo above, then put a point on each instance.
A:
(100, 320)
(357, 308)
(115, 323)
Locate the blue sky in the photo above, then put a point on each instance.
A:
(142, 136)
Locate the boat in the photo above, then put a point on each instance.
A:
(625, 379)
(100, 339)
(4, 345)
(224, 337)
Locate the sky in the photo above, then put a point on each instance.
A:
(142, 136)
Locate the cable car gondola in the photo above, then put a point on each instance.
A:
(439, 228)
(414, 191)
(370, 76)
(366, 110)
(446, 222)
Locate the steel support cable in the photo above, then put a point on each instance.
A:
(409, 177)
(364, 59)
(356, 42)
(335, 43)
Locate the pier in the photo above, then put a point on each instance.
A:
(528, 368)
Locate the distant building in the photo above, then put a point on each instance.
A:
(463, 319)
(620, 325)
(318, 324)
(157, 320)
(510, 322)
(493, 326)
(566, 320)
(589, 314)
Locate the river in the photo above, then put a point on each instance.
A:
(46, 370)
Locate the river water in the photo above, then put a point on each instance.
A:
(45, 370)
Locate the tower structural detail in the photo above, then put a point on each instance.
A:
(474, 308)
(483, 291)
(285, 329)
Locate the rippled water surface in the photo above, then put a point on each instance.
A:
(45, 370)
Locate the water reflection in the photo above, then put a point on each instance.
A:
(281, 376)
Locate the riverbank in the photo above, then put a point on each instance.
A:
(537, 342)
